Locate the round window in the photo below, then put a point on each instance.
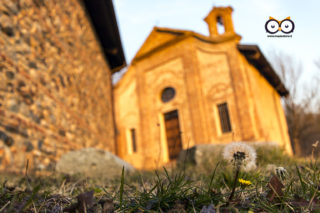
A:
(167, 94)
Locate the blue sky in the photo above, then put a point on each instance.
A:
(136, 18)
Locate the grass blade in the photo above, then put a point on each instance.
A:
(212, 177)
(301, 181)
(121, 187)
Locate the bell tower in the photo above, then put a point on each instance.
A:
(219, 21)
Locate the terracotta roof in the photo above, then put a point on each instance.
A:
(104, 21)
(252, 53)
(199, 36)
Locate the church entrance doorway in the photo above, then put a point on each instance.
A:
(173, 134)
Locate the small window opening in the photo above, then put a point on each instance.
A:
(220, 25)
(224, 117)
(133, 140)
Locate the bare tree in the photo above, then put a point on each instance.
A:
(301, 103)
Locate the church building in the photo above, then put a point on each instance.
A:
(183, 88)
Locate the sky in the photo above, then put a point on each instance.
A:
(136, 18)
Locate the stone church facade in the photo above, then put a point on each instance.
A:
(56, 62)
(183, 88)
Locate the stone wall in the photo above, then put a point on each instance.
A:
(55, 85)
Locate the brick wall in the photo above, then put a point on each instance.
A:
(55, 85)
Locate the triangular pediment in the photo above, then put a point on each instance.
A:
(156, 39)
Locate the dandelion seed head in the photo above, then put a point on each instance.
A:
(281, 172)
(240, 152)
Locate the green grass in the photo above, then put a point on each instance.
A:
(187, 189)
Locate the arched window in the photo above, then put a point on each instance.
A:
(220, 25)
(167, 94)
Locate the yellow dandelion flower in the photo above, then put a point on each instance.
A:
(244, 182)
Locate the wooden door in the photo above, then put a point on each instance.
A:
(173, 134)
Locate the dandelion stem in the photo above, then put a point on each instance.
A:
(234, 185)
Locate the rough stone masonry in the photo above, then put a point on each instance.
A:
(55, 85)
